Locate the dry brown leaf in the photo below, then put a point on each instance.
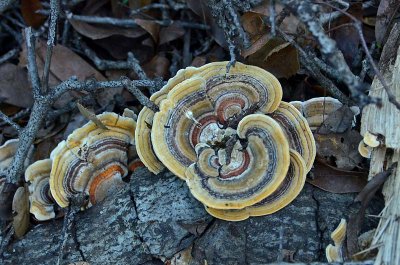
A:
(198, 61)
(170, 33)
(289, 24)
(28, 11)
(336, 180)
(20, 207)
(387, 11)
(341, 148)
(347, 37)
(64, 64)
(272, 55)
(338, 121)
(202, 10)
(151, 27)
(257, 45)
(96, 32)
(7, 191)
(157, 67)
(15, 86)
(254, 25)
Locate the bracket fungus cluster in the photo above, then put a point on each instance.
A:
(241, 150)
(317, 110)
(92, 161)
(334, 253)
(369, 142)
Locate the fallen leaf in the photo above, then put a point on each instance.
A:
(150, 26)
(335, 180)
(338, 121)
(272, 54)
(256, 46)
(341, 148)
(20, 207)
(198, 61)
(201, 9)
(254, 25)
(119, 52)
(96, 31)
(28, 11)
(288, 25)
(170, 33)
(15, 86)
(7, 191)
(346, 37)
(385, 17)
(64, 64)
(157, 67)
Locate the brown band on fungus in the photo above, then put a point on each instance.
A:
(288, 190)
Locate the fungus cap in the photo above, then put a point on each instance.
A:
(201, 108)
(364, 150)
(92, 160)
(317, 110)
(297, 132)
(40, 198)
(254, 172)
(371, 139)
(144, 147)
(288, 190)
(334, 252)
(7, 152)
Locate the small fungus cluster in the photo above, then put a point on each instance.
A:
(241, 150)
(90, 161)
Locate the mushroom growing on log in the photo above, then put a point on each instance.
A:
(230, 137)
(40, 199)
(92, 160)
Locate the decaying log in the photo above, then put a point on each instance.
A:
(155, 217)
(385, 122)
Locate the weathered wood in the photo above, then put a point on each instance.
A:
(157, 217)
(386, 122)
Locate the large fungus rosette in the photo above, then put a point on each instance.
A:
(230, 137)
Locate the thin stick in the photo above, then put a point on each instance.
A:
(54, 11)
(358, 26)
(8, 120)
(8, 55)
(32, 66)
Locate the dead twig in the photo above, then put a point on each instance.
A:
(314, 70)
(8, 55)
(358, 26)
(8, 120)
(307, 13)
(145, 101)
(54, 12)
